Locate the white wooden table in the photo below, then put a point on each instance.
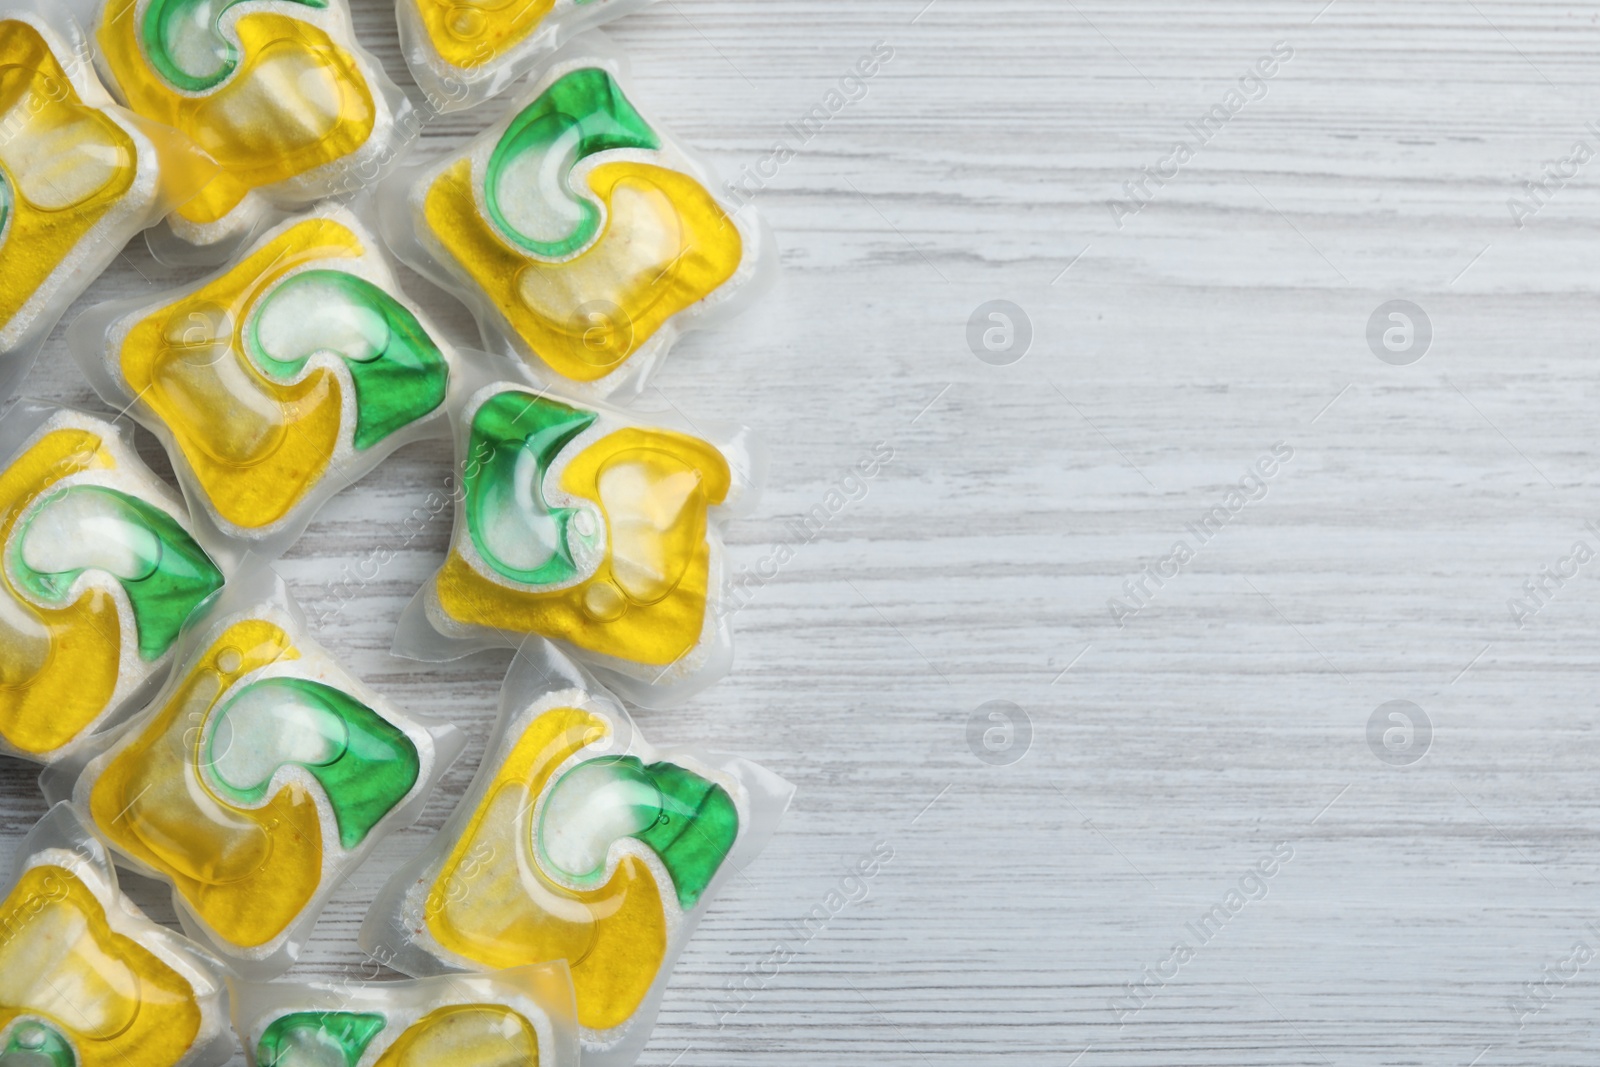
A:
(1171, 754)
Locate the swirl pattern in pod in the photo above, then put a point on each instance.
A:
(259, 778)
(86, 980)
(579, 841)
(590, 526)
(279, 380)
(100, 570)
(78, 176)
(277, 92)
(584, 237)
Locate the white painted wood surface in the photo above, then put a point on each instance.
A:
(1228, 716)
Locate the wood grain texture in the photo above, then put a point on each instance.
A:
(1169, 353)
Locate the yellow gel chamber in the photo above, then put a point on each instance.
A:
(279, 94)
(87, 981)
(584, 527)
(77, 179)
(285, 377)
(472, 34)
(586, 240)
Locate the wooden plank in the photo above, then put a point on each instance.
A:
(1172, 753)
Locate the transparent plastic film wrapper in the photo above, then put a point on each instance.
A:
(594, 527)
(585, 239)
(99, 570)
(462, 52)
(577, 840)
(277, 92)
(522, 1017)
(278, 381)
(79, 176)
(258, 779)
(86, 980)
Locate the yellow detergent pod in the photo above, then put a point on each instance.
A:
(86, 980)
(577, 841)
(259, 778)
(520, 1017)
(585, 239)
(280, 380)
(584, 525)
(461, 52)
(100, 570)
(77, 176)
(276, 91)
